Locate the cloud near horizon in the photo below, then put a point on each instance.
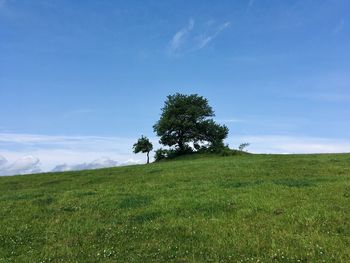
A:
(282, 144)
(24, 165)
(96, 164)
(63, 153)
(30, 164)
(30, 153)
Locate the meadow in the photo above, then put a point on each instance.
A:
(244, 208)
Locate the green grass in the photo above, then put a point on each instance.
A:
(250, 208)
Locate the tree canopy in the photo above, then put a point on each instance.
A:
(186, 120)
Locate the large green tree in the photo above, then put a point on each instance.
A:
(143, 145)
(186, 119)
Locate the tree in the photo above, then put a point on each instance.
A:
(214, 134)
(186, 119)
(143, 145)
(242, 146)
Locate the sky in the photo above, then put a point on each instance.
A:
(80, 81)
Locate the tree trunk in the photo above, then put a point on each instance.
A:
(147, 157)
(182, 147)
(181, 143)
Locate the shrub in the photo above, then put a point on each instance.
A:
(161, 154)
(242, 146)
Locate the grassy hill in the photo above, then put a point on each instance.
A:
(253, 208)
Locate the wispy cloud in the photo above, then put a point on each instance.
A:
(187, 39)
(206, 39)
(179, 38)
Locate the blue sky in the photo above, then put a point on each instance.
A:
(277, 73)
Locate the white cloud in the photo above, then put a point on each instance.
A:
(104, 162)
(71, 151)
(206, 39)
(28, 153)
(179, 38)
(280, 144)
(3, 161)
(99, 163)
(66, 142)
(187, 39)
(23, 165)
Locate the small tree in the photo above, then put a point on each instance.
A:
(242, 146)
(143, 145)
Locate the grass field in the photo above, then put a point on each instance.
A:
(252, 208)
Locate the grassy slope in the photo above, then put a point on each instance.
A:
(243, 208)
